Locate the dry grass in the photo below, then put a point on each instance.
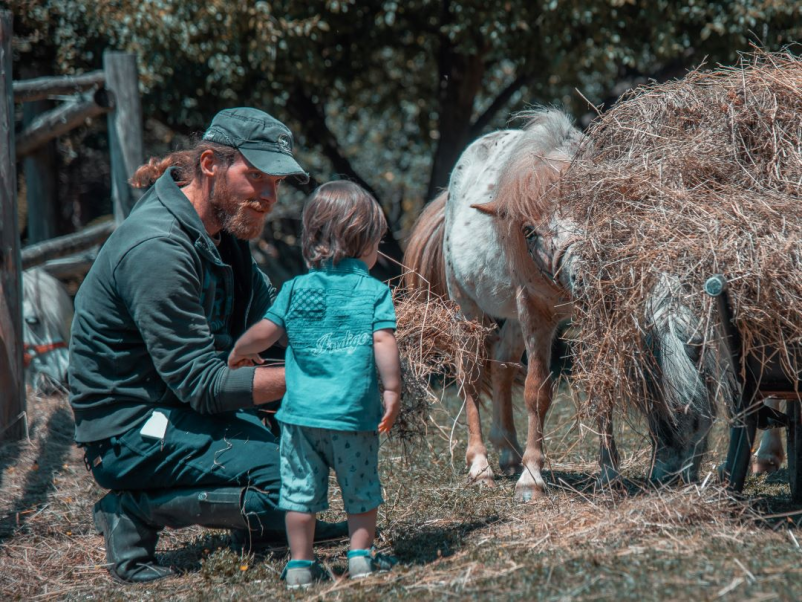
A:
(451, 539)
(681, 181)
(433, 341)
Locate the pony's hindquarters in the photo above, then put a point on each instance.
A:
(423, 258)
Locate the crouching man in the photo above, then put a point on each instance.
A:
(165, 425)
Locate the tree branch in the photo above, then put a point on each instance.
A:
(498, 103)
(311, 115)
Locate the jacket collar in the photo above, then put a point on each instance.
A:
(349, 265)
(179, 205)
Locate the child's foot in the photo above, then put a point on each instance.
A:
(362, 563)
(303, 573)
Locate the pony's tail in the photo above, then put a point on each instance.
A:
(423, 259)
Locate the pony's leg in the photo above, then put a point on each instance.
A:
(538, 327)
(505, 365)
(479, 471)
(608, 453)
(770, 455)
(469, 378)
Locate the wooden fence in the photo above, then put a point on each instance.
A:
(113, 91)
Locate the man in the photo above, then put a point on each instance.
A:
(164, 423)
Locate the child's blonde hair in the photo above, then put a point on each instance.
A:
(340, 220)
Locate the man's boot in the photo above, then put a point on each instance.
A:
(130, 522)
(130, 541)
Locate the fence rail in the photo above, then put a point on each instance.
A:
(45, 87)
(113, 91)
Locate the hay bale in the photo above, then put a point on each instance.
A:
(685, 180)
(433, 339)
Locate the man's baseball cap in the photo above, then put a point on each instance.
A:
(263, 140)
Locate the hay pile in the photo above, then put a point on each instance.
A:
(689, 179)
(432, 340)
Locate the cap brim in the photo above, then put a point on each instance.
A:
(275, 164)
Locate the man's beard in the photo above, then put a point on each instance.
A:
(233, 215)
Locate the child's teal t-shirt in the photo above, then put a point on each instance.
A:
(330, 315)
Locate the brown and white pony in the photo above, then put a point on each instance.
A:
(499, 245)
(470, 242)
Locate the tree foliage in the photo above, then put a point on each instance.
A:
(390, 92)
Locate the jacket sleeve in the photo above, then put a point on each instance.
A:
(160, 284)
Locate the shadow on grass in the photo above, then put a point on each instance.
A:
(768, 496)
(54, 449)
(10, 450)
(425, 545)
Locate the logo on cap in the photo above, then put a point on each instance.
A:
(284, 143)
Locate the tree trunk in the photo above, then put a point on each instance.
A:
(313, 119)
(460, 81)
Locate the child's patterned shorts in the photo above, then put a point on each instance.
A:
(307, 453)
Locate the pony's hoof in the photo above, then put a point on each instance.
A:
(509, 462)
(528, 493)
(481, 481)
(766, 464)
(482, 476)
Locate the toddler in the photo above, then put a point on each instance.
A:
(340, 324)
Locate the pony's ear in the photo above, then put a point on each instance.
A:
(492, 209)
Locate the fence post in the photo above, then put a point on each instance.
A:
(125, 129)
(40, 175)
(12, 385)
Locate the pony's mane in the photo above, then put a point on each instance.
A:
(548, 145)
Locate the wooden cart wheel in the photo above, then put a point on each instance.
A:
(795, 449)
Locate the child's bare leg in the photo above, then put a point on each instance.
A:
(301, 534)
(362, 528)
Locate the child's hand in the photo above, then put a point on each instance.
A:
(392, 406)
(236, 360)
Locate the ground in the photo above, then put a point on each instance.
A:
(691, 542)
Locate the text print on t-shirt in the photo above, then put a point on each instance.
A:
(341, 343)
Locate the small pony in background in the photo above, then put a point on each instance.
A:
(47, 312)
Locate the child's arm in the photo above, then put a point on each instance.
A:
(258, 337)
(385, 350)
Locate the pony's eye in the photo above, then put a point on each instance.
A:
(31, 320)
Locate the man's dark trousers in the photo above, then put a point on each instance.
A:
(224, 450)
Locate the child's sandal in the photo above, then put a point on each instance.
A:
(303, 573)
(362, 563)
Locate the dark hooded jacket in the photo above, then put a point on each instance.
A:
(156, 317)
